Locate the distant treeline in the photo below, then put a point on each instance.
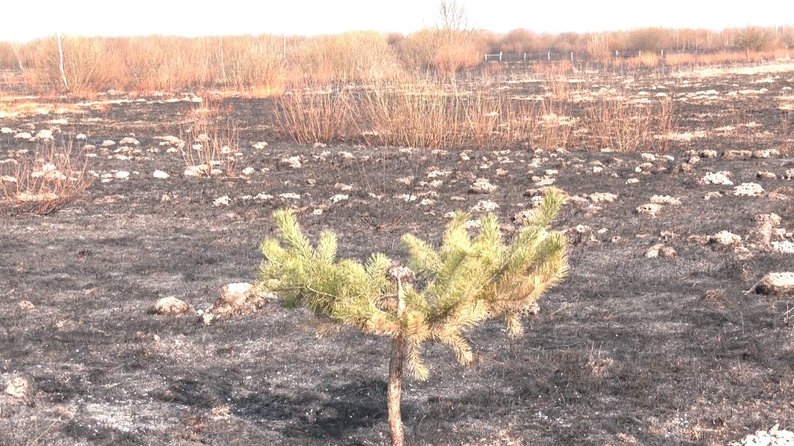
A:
(274, 62)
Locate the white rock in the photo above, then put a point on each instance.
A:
(776, 283)
(748, 190)
(405, 197)
(784, 247)
(665, 199)
(523, 216)
(235, 293)
(170, 140)
(602, 197)
(160, 175)
(789, 174)
(632, 181)
(170, 305)
(339, 197)
(764, 438)
(648, 157)
(248, 171)
(725, 238)
(263, 196)
(346, 155)
(19, 388)
(343, 187)
(660, 250)
(23, 135)
(127, 141)
(293, 162)
(260, 145)
(6, 131)
(290, 196)
(720, 178)
(121, 175)
(482, 186)
(222, 201)
(196, 171)
(485, 206)
(766, 153)
(44, 134)
(435, 173)
(108, 143)
(80, 137)
(651, 209)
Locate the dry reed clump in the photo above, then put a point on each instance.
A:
(311, 116)
(212, 141)
(625, 126)
(423, 115)
(42, 181)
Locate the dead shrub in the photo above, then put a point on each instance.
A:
(42, 181)
(246, 62)
(348, 57)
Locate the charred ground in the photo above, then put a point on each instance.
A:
(628, 350)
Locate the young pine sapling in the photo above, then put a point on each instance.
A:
(466, 281)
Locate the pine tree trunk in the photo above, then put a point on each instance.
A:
(394, 391)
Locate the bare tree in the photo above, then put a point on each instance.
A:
(60, 61)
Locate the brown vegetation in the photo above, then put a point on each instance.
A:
(211, 142)
(42, 181)
(424, 115)
(269, 64)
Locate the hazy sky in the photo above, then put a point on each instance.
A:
(27, 19)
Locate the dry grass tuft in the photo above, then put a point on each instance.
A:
(43, 181)
(211, 143)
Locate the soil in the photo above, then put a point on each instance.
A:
(627, 350)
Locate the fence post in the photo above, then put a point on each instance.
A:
(571, 56)
(548, 55)
(525, 56)
(500, 56)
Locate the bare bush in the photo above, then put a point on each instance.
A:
(245, 62)
(42, 181)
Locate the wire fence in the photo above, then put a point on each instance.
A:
(574, 56)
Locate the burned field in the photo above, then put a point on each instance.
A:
(656, 337)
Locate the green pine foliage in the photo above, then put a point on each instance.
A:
(467, 280)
